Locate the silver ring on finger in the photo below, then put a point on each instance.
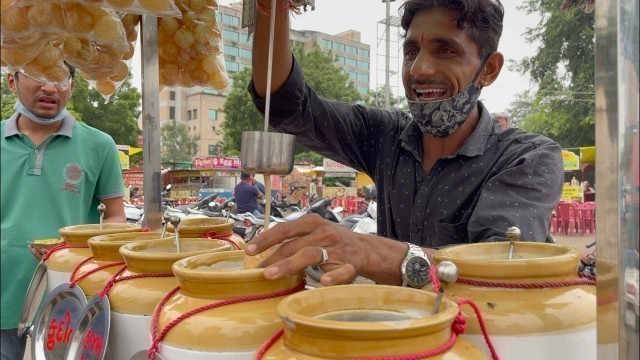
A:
(325, 256)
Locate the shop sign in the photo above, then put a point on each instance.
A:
(570, 160)
(227, 173)
(334, 166)
(217, 162)
(571, 192)
(351, 175)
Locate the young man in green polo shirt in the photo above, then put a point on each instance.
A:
(55, 173)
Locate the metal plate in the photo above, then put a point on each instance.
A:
(56, 321)
(89, 340)
(32, 300)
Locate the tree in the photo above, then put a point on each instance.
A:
(563, 105)
(118, 118)
(327, 80)
(377, 97)
(177, 144)
(310, 157)
(8, 99)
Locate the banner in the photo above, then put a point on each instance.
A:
(570, 160)
(123, 153)
(217, 162)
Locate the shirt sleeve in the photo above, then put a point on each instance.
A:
(347, 133)
(110, 184)
(522, 195)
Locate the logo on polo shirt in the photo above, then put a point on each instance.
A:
(72, 174)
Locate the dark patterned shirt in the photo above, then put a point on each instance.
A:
(497, 179)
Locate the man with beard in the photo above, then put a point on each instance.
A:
(55, 173)
(447, 173)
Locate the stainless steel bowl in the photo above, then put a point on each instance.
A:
(267, 152)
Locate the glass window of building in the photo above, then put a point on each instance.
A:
(231, 66)
(195, 114)
(352, 75)
(363, 77)
(230, 20)
(212, 151)
(213, 114)
(364, 65)
(245, 53)
(172, 112)
(338, 47)
(231, 50)
(172, 95)
(363, 90)
(364, 52)
(352, 50)
(352, 62)
(327, 44)
(219, 17)
(339, 60)
(230, 35)
(189, 115)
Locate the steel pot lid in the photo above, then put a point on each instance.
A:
(89, 340)
(31, 303)
(56, 321)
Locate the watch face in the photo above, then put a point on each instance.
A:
(418, 271)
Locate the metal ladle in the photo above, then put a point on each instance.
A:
(447, 273)
(264, 152)
(513, 234)
(175, 221)
(167, 218)
(101, 210)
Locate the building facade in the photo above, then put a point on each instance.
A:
(200, 109)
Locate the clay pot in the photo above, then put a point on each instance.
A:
(348, 321)
(105, 251)
(61, 263)
(236, 330)
(133, 301)
(526, 323)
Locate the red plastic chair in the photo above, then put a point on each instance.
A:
(588, 216)
(568, 218)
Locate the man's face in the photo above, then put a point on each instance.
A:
(45, 100)
(439, 60)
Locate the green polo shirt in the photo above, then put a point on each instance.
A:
(58, 183)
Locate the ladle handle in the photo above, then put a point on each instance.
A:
(267, 205)
(272, 31)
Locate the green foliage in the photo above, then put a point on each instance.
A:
(7, 99)
(325, 78)
(117, 118)
(563, 105)
(177, 144)
(310, 157)
(376, 98)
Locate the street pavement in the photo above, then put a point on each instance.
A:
(578, 242)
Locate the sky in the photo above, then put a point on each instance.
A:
(335, 16)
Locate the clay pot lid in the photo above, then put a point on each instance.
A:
(204, 224)
(79, 234)
(158, 256)
(106, 247)
(530, 259)
(378, 310)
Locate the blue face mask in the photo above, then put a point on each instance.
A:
(442, 118)
(37, 119)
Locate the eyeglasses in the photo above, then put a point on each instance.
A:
(60, 86)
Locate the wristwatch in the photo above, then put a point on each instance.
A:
(415, 268)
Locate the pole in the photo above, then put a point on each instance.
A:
(151, 122)
(387, 101)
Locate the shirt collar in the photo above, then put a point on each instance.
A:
(11, 127)
(411, 137)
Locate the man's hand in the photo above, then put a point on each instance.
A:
(349, 254)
